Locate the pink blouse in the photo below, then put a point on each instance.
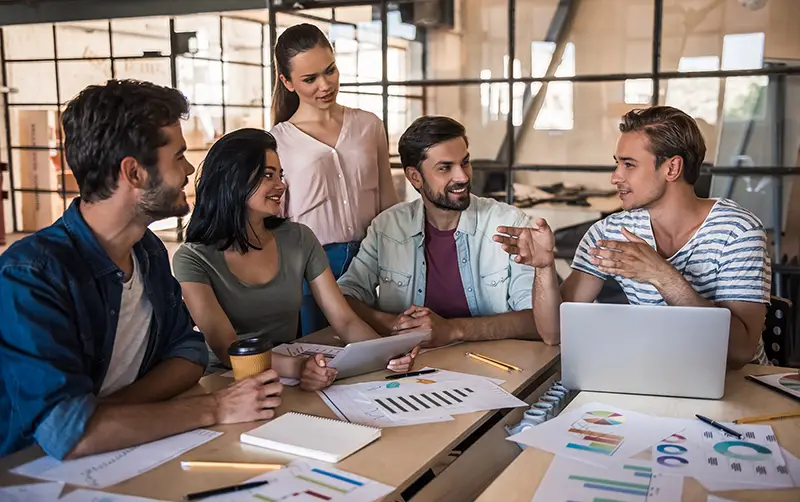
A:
(337, 191)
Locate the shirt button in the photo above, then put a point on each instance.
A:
(469, 289)
(399, 283)
(340, 175)
(345, 201)
(419, 291)
(463, 260)
(494, 283)
(112, 312)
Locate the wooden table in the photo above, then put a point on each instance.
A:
(743, 398)
(398, 459)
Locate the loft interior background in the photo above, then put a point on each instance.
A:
(539, 84)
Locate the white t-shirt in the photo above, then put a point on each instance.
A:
(725, 260)
(130, 341)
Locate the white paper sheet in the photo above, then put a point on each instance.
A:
(297, 349)
(793, 464)
(106, 469)
(94, 496)
(598, 433)
(304, 476)
(36, 492)
(416, 400)
(289, 382)
(722, 462)
(569, 479)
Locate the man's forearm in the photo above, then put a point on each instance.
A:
(166, 380)
(546, 304)
(381, 322)
(677, 291)
(497, 327)
(116, 426)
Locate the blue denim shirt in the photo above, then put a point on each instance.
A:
(60, 295)
(392, 259)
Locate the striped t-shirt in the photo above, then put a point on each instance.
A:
(725, 260)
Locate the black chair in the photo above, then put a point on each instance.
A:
(777, 333)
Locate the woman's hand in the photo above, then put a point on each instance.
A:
(315, 374)
(405, 363)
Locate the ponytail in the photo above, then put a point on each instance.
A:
(294, 40)
(284, 102)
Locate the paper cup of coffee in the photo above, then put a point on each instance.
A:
(250, 356)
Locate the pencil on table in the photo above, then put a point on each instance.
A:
(487, 361)
(764, 418)
(499, 362)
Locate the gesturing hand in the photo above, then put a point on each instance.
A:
(530, 246)
(635, 259)
(423, 320)
(316, 374)
(250, 399)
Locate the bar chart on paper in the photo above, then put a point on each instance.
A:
(570, 480)
(303, 481)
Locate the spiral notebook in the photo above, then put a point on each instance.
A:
(324, 439)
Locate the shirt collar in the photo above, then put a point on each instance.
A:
(467, 223)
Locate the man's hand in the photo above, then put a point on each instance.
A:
(529, 246)
(424, 320)
(316, 375)
(248, 400)
(635, 260)
(405, 363)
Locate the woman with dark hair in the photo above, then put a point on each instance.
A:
(242, 266)
(336, 158)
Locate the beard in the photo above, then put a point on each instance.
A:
(442, 199)
(160, 201)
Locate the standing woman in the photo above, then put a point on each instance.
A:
(335, 158)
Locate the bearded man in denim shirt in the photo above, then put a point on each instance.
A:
(433, 261)
(95, 341)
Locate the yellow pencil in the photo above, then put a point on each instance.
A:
(487, 361)
(189, 464)
(750, 420)
(500, 362)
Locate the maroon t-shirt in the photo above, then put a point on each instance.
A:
(444, 292)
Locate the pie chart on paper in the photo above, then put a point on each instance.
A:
(791, 382)
(604, 418)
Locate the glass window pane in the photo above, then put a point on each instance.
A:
(203, 127)
(85, 39)
(22, 116)
(32, 82)
(479, 45)
(241, 40)
(30, 41)
(206, 28)
(74, 76)
(742, 36)
(151, 70)
(238, 118)
(135, 37)
(200, 80)
(243, 85)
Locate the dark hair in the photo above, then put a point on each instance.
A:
(422, 134)
(293, 41)
(670, 132)
(230, 173)
(106, 123)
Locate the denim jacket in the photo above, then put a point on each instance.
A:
(60, 295)
(392, 258)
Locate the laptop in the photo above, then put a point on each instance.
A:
(637, 349)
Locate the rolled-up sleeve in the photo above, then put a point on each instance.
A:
(49, 390)
(520, 290)
(361, 279)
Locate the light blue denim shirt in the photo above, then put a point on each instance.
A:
(392, 259)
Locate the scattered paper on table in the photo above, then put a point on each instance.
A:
(289, 382)
(433, 397)
(310, 480)
(36, 492)
(793, 464)
(722, 462)
(106, 469)
(298, 349)
(568, 479)
(93, 496)
(595, 432)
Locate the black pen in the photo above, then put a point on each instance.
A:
(410, 374)
(226, 489)
(720, 426)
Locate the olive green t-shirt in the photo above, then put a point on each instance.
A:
(270, 309)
